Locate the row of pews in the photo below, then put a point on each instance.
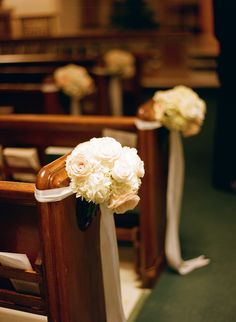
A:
(63, 257)
(27, 78)
(41, 131)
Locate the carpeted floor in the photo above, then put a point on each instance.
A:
(208, 226)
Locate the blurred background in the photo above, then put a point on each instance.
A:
(173, 38)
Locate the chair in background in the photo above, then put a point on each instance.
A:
(38, 25)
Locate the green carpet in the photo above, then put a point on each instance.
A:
(208, 226)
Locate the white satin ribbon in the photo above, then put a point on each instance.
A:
(116, 96)
(174, 199)
(110, 267)
(145, 125)
(49, 88)
(109, 253)
(52, 195)
(75, 106)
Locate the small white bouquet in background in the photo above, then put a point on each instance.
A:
(120, 62)
(179, 109)
(74, 80)
(104, 172)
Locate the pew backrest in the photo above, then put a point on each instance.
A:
(56, 130)
(63, 257)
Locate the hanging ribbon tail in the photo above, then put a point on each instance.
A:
(109, 253)
(75, 106)
(110, 267)
(116, 97)
(191, 264)
(174, 199)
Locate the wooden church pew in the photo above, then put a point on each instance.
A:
(24, 80)
(33, 68)
(66, 261)
(46, 98)
(23, 97)
(41, 131)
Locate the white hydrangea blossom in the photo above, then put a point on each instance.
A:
(180, 109)
(102, 171)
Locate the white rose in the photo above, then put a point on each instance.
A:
(122, 172)
(129, 156)
(77, 165)
(107, 150)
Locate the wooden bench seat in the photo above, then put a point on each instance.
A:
(62, 256)
(41, 131)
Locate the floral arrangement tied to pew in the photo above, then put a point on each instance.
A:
(120, 64)
(180, 110)
(103, 173)
(75, 82)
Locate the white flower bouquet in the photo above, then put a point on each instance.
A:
(103, 172)
(74, 80)
(120, 62)
(179, 109)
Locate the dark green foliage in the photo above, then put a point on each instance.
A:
(132, 14)
(86, 211)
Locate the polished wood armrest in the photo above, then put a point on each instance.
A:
(146, 111)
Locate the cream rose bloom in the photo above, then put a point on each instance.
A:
(121, 204)
(192, 129)
(78, 166)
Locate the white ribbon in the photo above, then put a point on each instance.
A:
(174, 199)
(75, 106)
(109, 253)
(110, 267)
(116, 96)
(51, 195)
(49, 88)
(145, 125)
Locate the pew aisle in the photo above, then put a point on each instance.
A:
(133, 295)
(208, 223)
